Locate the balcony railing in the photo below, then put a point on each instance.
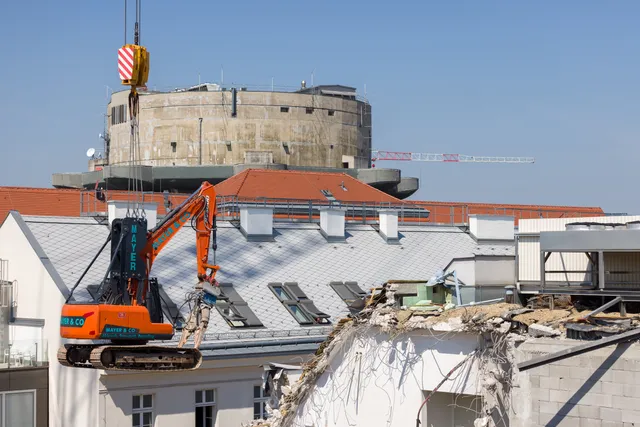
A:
(297, 210)
(24, 353)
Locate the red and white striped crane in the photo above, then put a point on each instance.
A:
(405, 156)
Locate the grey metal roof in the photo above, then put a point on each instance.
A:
(298, 254)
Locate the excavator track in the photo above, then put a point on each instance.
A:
(133, 358)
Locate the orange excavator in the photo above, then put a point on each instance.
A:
(127, 309)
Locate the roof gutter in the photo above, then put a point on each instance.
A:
(274, 353)
(268, 343)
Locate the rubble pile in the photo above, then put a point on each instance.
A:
(503, 325)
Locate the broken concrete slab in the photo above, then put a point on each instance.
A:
(536, 330)
(509, 314)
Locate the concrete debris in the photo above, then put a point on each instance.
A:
(517, 338)
(403, 315)
(536, 330)
(490, 382)
(503, 325)
(508, 316)
(547, 301)
(543, 316)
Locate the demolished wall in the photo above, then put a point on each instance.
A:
(378, 368)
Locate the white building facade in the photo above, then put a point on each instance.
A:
(47, 255)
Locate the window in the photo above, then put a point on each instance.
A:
(351, 294)
(173, 146)
(348, 291)
(448, 409)
(309, 110)
(259, 403)
(118, 114)
(205, 408)
(284, 109)
(298, 304)
(329, 195)
(234, 309)
(142, 414)
(18, 408)
(331, 112)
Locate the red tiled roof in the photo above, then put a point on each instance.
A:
(458, 212)
(293, 185)
(65, 202)
(39, 201)
(299, 185)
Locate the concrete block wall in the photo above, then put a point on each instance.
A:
(596, 389)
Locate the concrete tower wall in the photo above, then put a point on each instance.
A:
(316, 130)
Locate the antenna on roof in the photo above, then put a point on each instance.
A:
(91, 152)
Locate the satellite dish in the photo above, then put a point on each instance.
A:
(91, 152)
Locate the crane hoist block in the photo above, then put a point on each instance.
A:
(133, 65)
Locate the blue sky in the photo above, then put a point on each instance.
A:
(556, 80)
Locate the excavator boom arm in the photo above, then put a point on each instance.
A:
(200, 210)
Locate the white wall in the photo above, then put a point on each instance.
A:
(529, 248)
(491, 227)
(373, 381)
(72, 392)
(174, 393)
(495, 271)
(465, 270)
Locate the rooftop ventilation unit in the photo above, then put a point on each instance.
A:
(633, 225)
(492, 227)
(256, 223)
(332, 224)
(586, 226)
(118, 209)
(389, 225)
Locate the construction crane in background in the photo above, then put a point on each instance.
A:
(406, 156)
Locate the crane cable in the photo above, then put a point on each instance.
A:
(134, 179)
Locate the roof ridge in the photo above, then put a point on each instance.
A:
(244, 179)
(303, 172)
(378, 191)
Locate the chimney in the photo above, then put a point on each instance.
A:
(492, 227)
(332, 224)
(256, 223)
(118, 209)
(389, 225)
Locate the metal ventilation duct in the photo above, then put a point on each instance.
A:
(633, 225)
(577, 226)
